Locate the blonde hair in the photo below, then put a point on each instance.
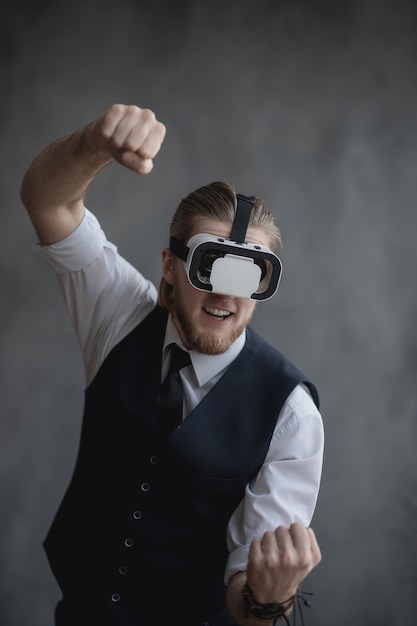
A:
(216, 200)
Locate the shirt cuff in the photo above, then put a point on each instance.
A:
(237, 562)
(77, 250)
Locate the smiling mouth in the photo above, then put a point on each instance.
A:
(217, 314)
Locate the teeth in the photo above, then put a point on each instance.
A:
(217, 312)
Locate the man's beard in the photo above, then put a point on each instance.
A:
(204, 342)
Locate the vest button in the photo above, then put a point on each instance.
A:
(115, 597)
(145, 487)
(137, 514)
(122, 570)
(154, 460)
(128, 542)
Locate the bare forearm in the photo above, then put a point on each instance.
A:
(56, 183)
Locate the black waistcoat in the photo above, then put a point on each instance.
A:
(141, 532)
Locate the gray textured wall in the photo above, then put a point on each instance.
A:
(311, 105)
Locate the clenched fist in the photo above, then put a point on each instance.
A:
(132, 135)
(280, 561)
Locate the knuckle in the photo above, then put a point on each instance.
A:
(269, 536)
(117, 108)
(305, 562)
(148, 115)
(287, 561)
(271, 562)
(132, 109)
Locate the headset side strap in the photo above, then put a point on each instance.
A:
(178, 248)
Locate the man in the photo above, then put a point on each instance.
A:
(206, 522)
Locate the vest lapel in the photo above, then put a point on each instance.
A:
(140, 371)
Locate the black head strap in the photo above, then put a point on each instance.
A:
(239, 227)
(178, 248)
(241, 221)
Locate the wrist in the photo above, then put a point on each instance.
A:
(93, 146)
(270, 611)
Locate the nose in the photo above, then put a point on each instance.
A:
(223, 299)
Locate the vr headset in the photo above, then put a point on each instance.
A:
(231, 267)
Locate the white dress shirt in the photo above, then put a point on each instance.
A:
(106, 298)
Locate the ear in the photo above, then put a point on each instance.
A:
(168, 265)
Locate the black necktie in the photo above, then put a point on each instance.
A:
(170, 397)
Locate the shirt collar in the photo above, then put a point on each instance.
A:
(205, 366)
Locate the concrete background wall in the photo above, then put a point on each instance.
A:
(310, 105)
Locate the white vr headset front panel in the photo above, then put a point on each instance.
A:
(242, 270)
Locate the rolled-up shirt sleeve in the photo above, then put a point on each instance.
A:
(105, 295)
(286, 488)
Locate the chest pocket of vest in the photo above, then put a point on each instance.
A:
(212, 498)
